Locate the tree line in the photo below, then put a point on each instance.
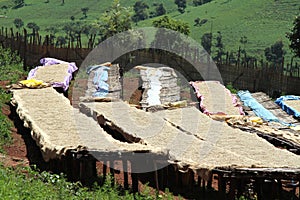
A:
(119, 19)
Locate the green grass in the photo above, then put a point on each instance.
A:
(263, 22)
(26, 183)
(11, 69)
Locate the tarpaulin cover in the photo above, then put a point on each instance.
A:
(257, 108)
(47, 62)
(215, 98)
(282, 102)
(100, 80)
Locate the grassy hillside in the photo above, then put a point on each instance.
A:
(263, 22)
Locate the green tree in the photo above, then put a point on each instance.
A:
(294, 37)
(200, 2)
(52, 30)
(197, 21)
(73, 30)
(140, 10)
(172, 24)
(275, 53)
(160, 9)
(206, 42)
(33, 26)
(219, 46)
(60, 41)
(165, 38)
(84, 11)
(18, 3)
(18, 23)
(181, 5)
(115, 20)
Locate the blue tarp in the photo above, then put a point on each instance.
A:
(285, 107)
(100, 78)
(257, 108)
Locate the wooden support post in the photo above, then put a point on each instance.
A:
(75, 168)
(209, 184)
(134, 177)
(259, 190)
(203, 188)
(156, 175)
(88, 170)
(199, 181)
(125, 169)
(112, 172)
(166, 177)
(135, 182)
(104, 171)
(221, 187)
(239, 183)
(298, 189)
(232, 191)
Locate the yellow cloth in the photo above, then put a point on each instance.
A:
(33, 83)
(256, 120)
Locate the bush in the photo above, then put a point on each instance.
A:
(11, 67)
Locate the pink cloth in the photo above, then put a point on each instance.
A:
(201, 98)
(52, 61)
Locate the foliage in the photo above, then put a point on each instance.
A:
(73, 30)
(230, 87)
(84, 11)
(5, 124)
(219, 46)
(294, 37)
(200, 2)
(267, 22)
(199, 22)
(60, 41)
(168, 35)
(27, 183)
(18, 23)
(10, 66)
(206, 42)
(11, 69)
(18, 3)
(181, 5)
(172, 24)
(275, 53)
(160, 10)
(140, 9)
(115, 20)
(33, 26)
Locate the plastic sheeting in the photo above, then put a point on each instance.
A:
(52, 61)
(153, 76)
(288, 109)
(257, 108)
(99, 80)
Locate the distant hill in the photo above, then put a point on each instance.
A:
(263, 22)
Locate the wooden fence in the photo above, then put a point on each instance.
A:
(251, 74)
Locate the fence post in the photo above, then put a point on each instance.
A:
(25, 50)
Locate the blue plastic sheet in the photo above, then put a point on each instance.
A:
(99, 80)
(257, 108)
(285, 107)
